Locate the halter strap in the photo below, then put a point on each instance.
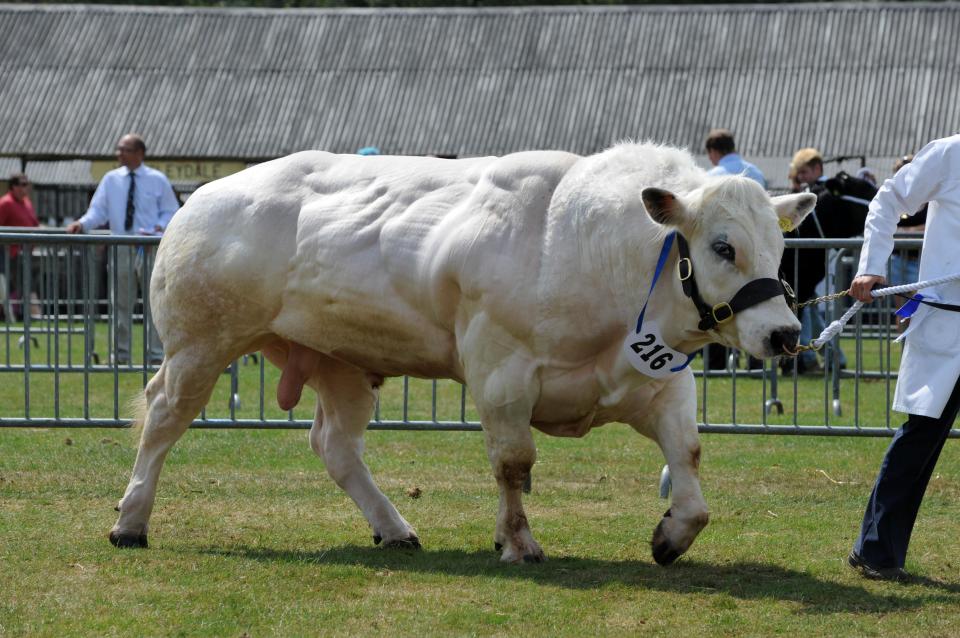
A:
(751, 294)
(661, 262)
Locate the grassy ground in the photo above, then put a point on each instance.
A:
(249, 537)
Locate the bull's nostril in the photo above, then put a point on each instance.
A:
(782, 340)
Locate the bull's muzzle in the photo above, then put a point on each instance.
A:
(784, 340)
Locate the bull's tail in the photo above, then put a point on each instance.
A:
(137, 409)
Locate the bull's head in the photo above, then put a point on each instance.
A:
(734, 233)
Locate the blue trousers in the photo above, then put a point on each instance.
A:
(904, 474)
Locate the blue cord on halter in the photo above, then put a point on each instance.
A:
(661, 262)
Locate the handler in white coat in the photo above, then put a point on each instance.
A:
(927, 388)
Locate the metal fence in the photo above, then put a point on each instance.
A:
(61, 334)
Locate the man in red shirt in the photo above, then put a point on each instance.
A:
(16, 209)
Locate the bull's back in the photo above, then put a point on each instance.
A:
(367, 258)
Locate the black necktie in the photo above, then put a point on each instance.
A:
(128, 225)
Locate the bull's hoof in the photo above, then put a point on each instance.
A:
(535, 558)
(124, 541)
(411, 542)
(377, 538)
(663, 551)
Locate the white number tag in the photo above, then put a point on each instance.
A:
(649, 354)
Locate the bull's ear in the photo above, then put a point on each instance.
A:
(663, 206)
(791, 209)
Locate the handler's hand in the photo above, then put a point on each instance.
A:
(74, 227)
(862, 285)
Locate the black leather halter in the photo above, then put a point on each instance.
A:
(750, 294)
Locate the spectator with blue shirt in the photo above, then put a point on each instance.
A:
(133, 199)
(726, 161)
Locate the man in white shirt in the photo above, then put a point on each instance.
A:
(927, 386)
(133, 199)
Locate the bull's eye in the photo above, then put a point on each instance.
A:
(724, 249)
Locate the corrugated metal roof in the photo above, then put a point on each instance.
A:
(876, 79)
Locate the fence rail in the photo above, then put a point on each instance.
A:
(59, 366)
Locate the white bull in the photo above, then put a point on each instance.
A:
(520, 276)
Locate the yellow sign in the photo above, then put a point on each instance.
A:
(192, 171)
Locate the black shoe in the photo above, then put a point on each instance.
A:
(897, 574)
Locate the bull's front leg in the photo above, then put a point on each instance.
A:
(504, 388)
(512, 454)
(671, 421)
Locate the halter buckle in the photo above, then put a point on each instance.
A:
(722, 308)
(788, 289)
(684, 268)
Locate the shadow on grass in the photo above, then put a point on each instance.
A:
(748, 581)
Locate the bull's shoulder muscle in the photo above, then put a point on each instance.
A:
(491, 242)
(506, 207)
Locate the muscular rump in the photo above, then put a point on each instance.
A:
(221, 265)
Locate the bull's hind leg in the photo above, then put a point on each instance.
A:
(347, 399)
(174, 397)
(671, 421)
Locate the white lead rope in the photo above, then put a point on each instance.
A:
(835, 327)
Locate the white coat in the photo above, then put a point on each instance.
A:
(931, 358)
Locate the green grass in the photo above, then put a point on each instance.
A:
(250, 537)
